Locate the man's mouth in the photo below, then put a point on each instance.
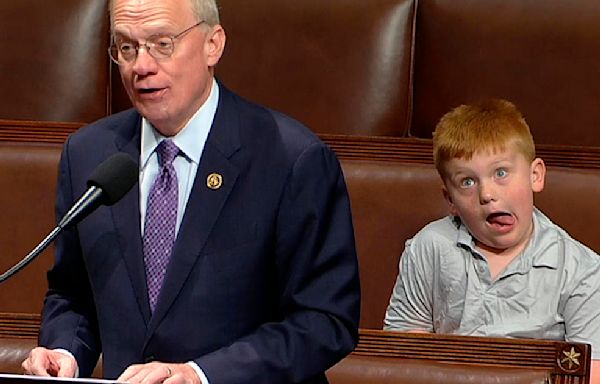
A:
(146, 91)
(151, 94)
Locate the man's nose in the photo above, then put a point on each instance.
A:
(144, 63)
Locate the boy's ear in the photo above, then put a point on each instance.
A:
(538, 174)
(448, 199)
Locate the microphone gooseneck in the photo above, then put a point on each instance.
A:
(108, 183)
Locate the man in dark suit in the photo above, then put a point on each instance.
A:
(233, 261)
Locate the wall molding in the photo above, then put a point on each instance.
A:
(19, 325)
(412, 150)
(47, 132)
(377, 148)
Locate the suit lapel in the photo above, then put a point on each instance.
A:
(126, 215)
(204, 204)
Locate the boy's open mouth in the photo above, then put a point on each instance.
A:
(500, 219)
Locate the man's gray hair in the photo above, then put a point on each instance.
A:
(205, 10)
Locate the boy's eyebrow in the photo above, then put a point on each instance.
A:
(503, 160)
(454, 176)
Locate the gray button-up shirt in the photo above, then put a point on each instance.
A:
(550, 291)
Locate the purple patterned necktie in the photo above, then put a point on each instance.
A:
(161, 219)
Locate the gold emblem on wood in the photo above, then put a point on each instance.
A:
(570, 359)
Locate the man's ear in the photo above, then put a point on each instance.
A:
(215, 45)
(538, 174)
(448, 198)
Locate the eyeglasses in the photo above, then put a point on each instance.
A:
(158, 46)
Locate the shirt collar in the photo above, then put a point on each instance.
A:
(534, 254)
(464, 237)
(544, 236)
(191, 138)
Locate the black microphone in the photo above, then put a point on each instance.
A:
(108, 183)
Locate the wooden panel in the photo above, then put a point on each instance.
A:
(568, 362)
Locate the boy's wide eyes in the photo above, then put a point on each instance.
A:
(467, 182)
(501, 172)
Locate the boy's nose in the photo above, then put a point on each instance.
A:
(486, 193)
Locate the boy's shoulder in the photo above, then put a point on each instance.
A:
(442, 231)
(437, 244)
(552, 234)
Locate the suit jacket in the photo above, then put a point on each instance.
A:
(263, 281)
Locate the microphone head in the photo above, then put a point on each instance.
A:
(115, 176)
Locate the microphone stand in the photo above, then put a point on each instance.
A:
(87, 203)
(117, 175)
(32, 255)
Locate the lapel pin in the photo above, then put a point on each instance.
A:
(214, 181)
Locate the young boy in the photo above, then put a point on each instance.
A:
(496, 266)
